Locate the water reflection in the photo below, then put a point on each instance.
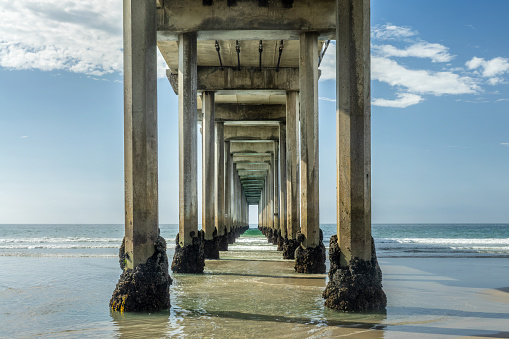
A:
(248, 299)
(141, 325)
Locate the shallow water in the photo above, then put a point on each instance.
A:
(250, 293)
(251, 298)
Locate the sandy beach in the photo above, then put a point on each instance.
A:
(253, 296)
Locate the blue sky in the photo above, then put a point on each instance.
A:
(440, 114)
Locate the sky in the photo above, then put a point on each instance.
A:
(440, 114)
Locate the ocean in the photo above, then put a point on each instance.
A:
(442, 281)
(392, 240)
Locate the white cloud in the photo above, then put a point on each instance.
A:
(495, 67)
(504, 143)
(389, 31)
(404, 100)
(495, 81)
(75, 36)
(328, 65)
(491, 69)
(420, 81)
(24, 137)
(474, 63)
(423, 49)
(327, 99)
(411, 84)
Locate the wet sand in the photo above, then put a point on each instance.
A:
(251, 295)
(428, 298)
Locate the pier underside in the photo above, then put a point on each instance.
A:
(246, 75)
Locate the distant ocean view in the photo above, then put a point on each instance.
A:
(441, 281)
(392, 240)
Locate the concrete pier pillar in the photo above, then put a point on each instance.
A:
(277, 229)
(259, 213)
(282, 187)
(143, 252)
(268, 218)
(310, 257)
(210, 243)
(264, 209)
(243, 208)
(355, 279)
(228, 188)
(233, 203)
(189, 256)
(219, 180)
(243, 214)
(271, 206)
(246, 212)
(292, 175)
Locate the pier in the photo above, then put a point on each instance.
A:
(246, 75)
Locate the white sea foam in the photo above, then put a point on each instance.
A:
(57, 255)
(246, 240)
(53, 246)
(445, 241)
(30, 246)
(58, 240)
(252, 248)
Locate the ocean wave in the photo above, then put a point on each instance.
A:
(252, 248)
(489, 249)
(246, 240)
(58, 240)
(57, 255)
(63, 246)
(444, 241)
(53, 246)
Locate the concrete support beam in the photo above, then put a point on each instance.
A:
(140, 132)
(219, 18)
(260, 159)
(188, 200)
(253, 181)
(251, 148)
(252, 166)
(266, 34)
(353, 131)
(310, 209)
(252, 173)
(208, 164)
(239, 132)
(292, 165)
(219, 180)
(236, 112)
(231, 81)
(282, 188)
